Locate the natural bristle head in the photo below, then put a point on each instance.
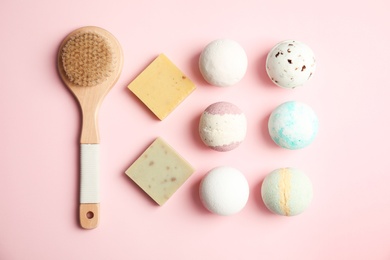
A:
(87, 59)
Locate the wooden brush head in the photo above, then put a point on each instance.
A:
(87, 58)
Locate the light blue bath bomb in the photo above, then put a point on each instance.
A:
(293, 125)
(287, 191)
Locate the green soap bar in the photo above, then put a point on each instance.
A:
(160, 171)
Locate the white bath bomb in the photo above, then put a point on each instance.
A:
(290, 64)
(224, 191)
(223, 63)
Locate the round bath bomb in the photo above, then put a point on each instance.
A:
(223, 62)
(222, 126)
(293, 125)
(224, 191)
(290, 64)
(287, 191)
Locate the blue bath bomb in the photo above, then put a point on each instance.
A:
(287, 191)
(293, 125)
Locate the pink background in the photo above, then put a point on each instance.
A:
(348, 163)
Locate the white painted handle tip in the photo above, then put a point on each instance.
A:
(89, 186)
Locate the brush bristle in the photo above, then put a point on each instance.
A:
(87, 59)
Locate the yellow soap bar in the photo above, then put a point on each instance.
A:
(160, 171)
(162, 86)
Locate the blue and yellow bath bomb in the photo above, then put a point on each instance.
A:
(293, 125)
(287, 191)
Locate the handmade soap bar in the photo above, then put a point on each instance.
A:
(161, 86)
(160, 171)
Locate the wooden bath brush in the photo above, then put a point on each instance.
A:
(89, 62)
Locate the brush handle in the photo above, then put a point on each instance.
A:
(89, 186)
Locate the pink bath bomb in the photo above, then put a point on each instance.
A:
(222, 126)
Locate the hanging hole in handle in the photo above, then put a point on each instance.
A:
(90, 215)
